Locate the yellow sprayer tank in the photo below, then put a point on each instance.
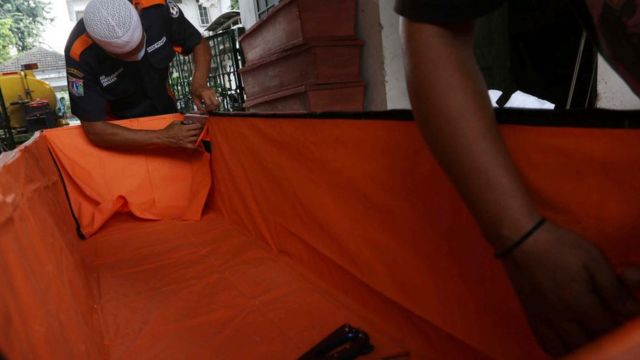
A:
(15, 88)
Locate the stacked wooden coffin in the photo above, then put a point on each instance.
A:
(304, 56)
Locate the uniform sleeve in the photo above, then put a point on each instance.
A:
(445, 11)
(87, 100)
(183, 35)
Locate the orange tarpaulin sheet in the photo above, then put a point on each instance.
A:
(368, 198)
(158, 184)
(208, 290)
(311, 223)
(47, 310)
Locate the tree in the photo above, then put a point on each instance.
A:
(28, 17)
(7, 41)
(235, 5)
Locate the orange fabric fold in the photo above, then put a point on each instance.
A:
(151, 184)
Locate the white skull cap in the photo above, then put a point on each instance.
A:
(114, 25)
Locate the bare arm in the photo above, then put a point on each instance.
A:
(568, 290)
(116, 137)
(204, 97)
(456, 118)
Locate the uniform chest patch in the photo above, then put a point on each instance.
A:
(157, 45)
(76, 86)
(106, 80)
(174, 10)
(75, 72)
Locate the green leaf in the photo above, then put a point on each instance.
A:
(27, 19)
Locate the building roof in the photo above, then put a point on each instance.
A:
(46, 60)
(224, 20)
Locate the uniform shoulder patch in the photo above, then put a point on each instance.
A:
(76, 86)
(79, 46)
(174, 10)
(75, 72)
(141, 4)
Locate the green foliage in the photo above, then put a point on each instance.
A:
(7, 41)
(235, 5)
(28, 17)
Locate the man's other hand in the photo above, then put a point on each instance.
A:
(205, 98)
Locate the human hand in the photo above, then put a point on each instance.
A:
(633, 20)
(631, 277)
(569, 292)
(205, 98)
(180, 135)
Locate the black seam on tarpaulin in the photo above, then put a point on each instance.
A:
(400, 115)
(578, 118)
(66, 194)
(574, 118)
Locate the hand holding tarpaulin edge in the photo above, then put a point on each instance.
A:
(197, 118)
(101, 182)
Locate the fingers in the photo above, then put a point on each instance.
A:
(594, 317)
(193, 127)
(197, 100)
(572, 335)
(614, 292)
(185, 125)
(193, 133)
(571, 295)
(214, 104)
(631, 277)
(189, 142)
(206, 99)
(199, 105)
(210, 100)
(549, 339)
(187, 135)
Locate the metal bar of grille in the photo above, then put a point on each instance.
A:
(224, 76)
(180, 73)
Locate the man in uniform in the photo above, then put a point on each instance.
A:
(118, 58)
(568, 290)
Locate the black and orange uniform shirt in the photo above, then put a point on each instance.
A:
(612, 25)
(103, 87)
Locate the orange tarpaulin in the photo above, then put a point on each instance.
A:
(47, 309)
(159, 184)
(311, 223)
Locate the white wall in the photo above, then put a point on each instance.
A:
(69, 4)
(248, 13)
(190, 10)
(382, 59)
(77, 5)
(216, 8)
(613, 92)
(395, 82)
(372, 66)
(57, 79)
(225, 5)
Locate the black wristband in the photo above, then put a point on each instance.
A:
(511, 248)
